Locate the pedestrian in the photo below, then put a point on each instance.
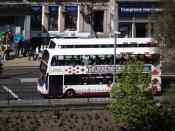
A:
(1, 54)
(25, 47)
(31, 52)
(18, 44)
(5, 49)
(36, 53)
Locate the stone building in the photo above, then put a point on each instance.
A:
(45, 19)
(131, 17)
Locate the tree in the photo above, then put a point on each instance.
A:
(164, 23)
(133, 101)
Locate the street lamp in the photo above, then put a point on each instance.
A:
(114, 66)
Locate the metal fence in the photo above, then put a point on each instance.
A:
(30, 97)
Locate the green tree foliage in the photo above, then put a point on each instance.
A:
(164, 23)
(133, 101)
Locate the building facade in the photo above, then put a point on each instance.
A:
(13, 16)
(132, 17)
(73, 18)
(45, 19)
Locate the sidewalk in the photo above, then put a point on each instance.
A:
(23, 61)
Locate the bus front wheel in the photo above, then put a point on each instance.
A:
(70, 93)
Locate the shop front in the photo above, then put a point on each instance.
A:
(133, 18)
(14, 18)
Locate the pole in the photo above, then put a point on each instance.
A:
(114, 64)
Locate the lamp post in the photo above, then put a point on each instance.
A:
(114, 66)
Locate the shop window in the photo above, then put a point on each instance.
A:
(36, 18)
(98, 21)
(125, 29)
(53, 18)
(71, 13)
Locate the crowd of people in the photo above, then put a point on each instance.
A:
(18, 44)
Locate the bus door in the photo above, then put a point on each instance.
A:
(55, 85)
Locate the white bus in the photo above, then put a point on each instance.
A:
(101, 43)
(74, 72)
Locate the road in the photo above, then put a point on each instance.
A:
(19, 83)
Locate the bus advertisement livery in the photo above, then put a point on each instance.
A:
(88, 71)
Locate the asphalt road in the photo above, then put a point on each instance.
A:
(19, 83)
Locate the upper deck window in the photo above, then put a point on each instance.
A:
(52, 44)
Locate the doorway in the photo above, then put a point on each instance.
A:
(97, 21)
(55, 86)
(141, 30)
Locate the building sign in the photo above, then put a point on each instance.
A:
(61, 34)
(138, 9)
(14, 6)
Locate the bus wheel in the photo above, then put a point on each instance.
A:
(70, 93)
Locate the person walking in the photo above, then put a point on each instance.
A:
(31, 52)
(18, 44)
(5, 49)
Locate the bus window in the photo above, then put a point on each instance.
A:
(72, 79)
(119, 45)
(86, 60)
(142, 45)
(52, 44)
(43, 67)
(155, 59)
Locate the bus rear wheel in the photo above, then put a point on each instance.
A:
(70, 93)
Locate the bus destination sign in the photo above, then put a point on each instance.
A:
(104, 69)
(110, 69)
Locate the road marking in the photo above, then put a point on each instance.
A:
(28, 80)
(11, 92)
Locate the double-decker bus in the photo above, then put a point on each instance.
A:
(74, 72)
(101, 43)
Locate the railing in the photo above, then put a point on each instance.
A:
(28, 96)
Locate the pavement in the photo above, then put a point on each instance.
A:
(23, 61)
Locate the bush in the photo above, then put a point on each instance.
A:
(133, 102)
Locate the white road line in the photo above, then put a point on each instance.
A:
(28, 80)
(11, 92)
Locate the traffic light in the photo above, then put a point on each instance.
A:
(1, 68)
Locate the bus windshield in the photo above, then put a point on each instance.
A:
(43, 67)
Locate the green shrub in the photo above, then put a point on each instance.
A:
(133, 102)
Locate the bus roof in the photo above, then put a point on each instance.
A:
(102, 51)
(103, 41)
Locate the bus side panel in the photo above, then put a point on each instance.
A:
(55, 85)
